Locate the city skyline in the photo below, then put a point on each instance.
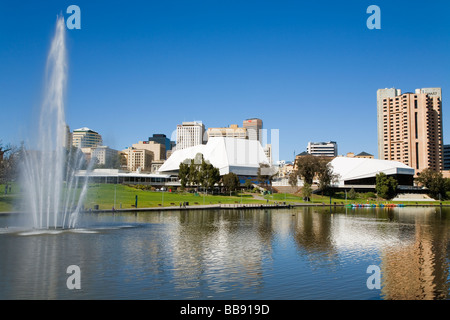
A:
(310, 70)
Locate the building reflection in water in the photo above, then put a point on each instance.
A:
(223, 249)
(241, 254)
(420, 269)
(228, 249)
(412, 244)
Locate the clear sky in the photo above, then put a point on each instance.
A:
(310, 69)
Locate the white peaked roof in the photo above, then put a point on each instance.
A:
(240, 156)
(359, 168)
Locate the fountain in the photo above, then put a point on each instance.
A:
(54, 194)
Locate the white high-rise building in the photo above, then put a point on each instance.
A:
(322, 149)
(190, 134)
(86, 138)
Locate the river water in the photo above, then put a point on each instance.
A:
(298, 253)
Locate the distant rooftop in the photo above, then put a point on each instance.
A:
(84, 129)
(364, 154)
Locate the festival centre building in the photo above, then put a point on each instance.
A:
(240, 156)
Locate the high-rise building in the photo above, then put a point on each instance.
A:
(231, 132)
(412, 128)
(382, 94)
(190, 134)
(322, 149)
(254, 127)
(86, 138)
(162, 139)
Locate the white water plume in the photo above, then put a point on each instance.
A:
(54, 194)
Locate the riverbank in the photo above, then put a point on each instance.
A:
(250, 207)
(109, 198)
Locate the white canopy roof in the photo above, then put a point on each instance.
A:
(359, 168)
(240, 156)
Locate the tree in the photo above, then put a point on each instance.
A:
(193, 173)
(248, 184)
(10, 157)
(307, 167)
(434, 182)
(351, 194)
(266, 173)
(386, 187)
(198, 172)
(203, 173)
(183, 174)
(213, 176)
(208, 175)
(325, 174)
(230, 182)
(306, 191)
(293, 179)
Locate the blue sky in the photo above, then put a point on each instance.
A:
(310, 69)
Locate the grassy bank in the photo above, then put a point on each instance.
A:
(107, 196)
(9, 201)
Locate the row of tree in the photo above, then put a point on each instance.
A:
(437, 185)
(432, 180)
(199, 172)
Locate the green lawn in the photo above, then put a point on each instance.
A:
(339, 198)
(107, 196)
(8, 202)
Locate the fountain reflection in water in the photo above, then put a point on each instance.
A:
(54, 196)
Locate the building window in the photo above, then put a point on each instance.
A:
(417, 155)
(415, 124)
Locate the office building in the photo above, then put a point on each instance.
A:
(233, 131)
(412, 129)
(104, 155)
(138, 159)
(322, 149)
(162, 139)
(86, 138)
(190, 134)
(254, 127)
(158, 149)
